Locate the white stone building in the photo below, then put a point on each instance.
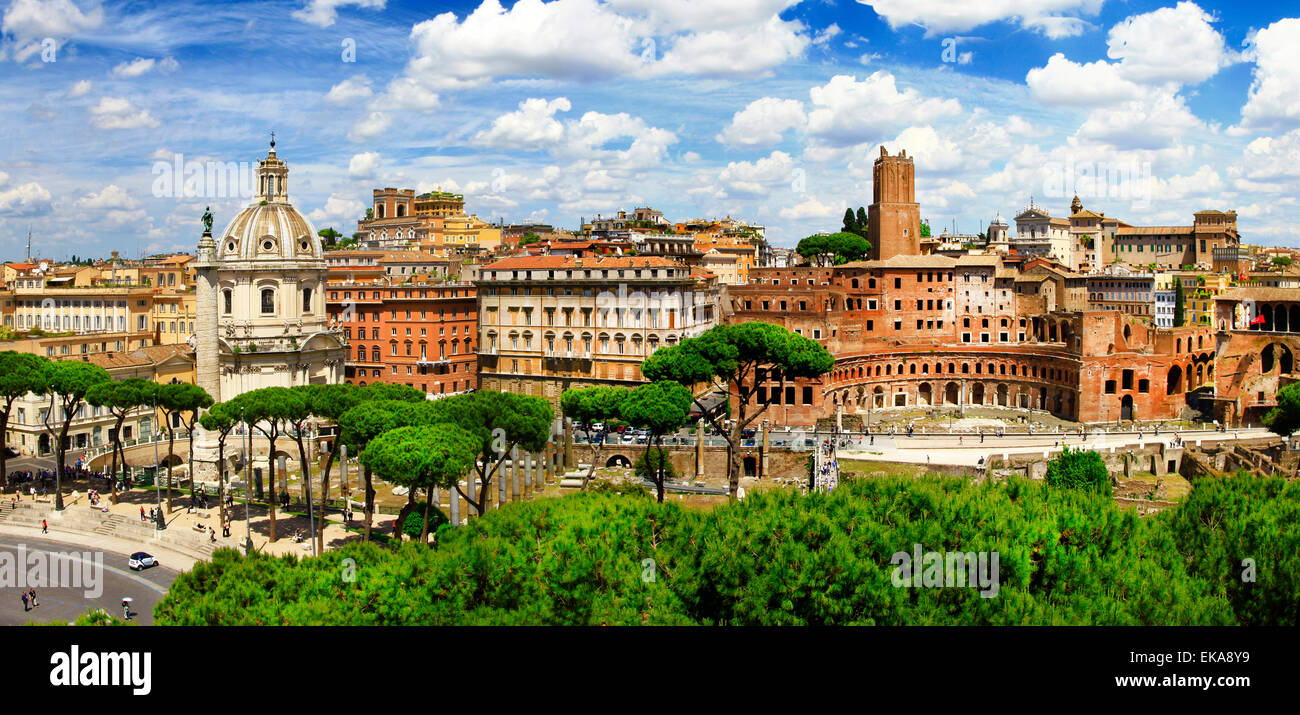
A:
(261, 304)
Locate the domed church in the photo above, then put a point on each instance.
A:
(262, 320)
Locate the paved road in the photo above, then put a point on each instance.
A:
(968, 450)
(116, 581)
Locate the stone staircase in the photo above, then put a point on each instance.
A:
(81, 520)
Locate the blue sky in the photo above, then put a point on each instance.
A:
(767, 110)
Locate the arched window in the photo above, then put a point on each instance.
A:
(306, 300)
(227, 301)
(268, 300)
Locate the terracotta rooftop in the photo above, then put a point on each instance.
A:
(553, 262)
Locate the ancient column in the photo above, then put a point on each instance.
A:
(699, 449)
(516, 475)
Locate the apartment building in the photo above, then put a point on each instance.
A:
(93, 426)
(548, 323)
(423, 335)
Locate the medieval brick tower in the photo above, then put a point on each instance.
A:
(894, 217)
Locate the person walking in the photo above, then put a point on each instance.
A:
(45, 528)
(26, 607)
(31, 593)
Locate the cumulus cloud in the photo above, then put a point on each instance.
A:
(1171, 44)
(1047, 16)
(120, 113)
(1274, 100)
(757, 178)
(338, 211)
(1154, 121)
(532, 124)
(763, 121)
(847, 111)
(353, 89)
(29, 199)
(370, 126)
(808, 208)
(79, 89)
(323, 13)
(364, 165)
(111, 197)
(1063, 81)
(29, 22)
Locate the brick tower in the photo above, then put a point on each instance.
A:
(894, 217)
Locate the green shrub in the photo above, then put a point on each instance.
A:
(1079, 469)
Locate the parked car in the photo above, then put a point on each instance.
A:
(597, 426)
(140, 560)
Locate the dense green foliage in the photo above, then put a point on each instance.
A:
(20, 373)
(1285, 418)
(1065, 557)
(833, 249)
(730, 357)
(1225, 521)
(1079, 469)
(653, 462)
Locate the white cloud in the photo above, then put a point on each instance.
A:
(1055, 27)
(532, 124)
(587, 40)
(30, 21)
(1274, 101)
(120, 113)
(759, 177)
(1171, 44)
(1205, 183)
(808, 208)
(26, 200)
(932, 152)
(339, 212)
(847, 111)
(324, 13)
(1066, 82)
(350, 90)
(1152, 122)
(746, 52)
(1269, 163)
(763, 121)
(371, 126)
(364, 165)
(134, 68)
(111, 197)
(569, 39)
(410, 94)
(961, 15)
(829, 33)
(79, 89)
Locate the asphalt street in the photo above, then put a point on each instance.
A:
(116, 580)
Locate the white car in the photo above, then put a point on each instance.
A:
(141, 560)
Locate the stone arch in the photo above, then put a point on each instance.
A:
(951, 394)
(1126, 411)
(618, 460)
(977, 394)
(1174, 381)
(924, 395)
(1002, 394)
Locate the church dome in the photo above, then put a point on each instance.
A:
(271, 228)
(998, 220)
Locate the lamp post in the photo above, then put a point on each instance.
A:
(311, 519)
(248, 486)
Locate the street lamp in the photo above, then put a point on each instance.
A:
(248, 485)
(162, 519)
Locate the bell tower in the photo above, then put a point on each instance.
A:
(894, 217)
